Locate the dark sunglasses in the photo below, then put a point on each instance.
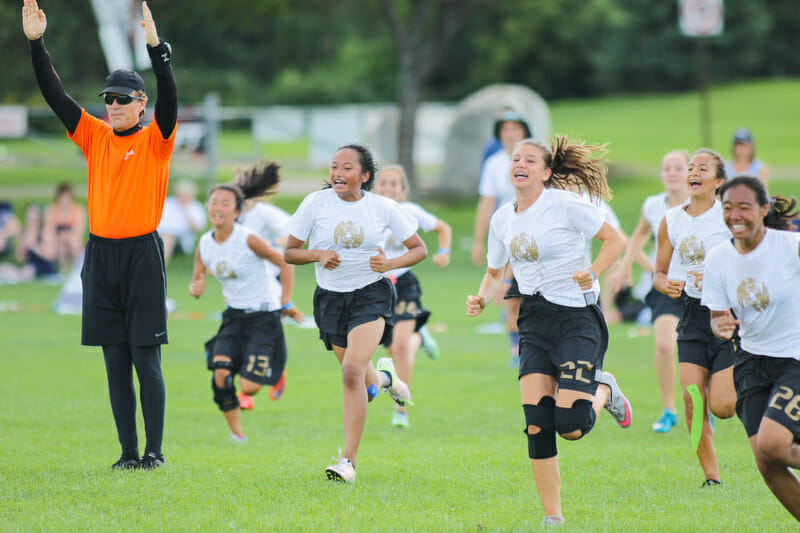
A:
(122, 99)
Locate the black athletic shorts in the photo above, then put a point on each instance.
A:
(254, 342)
(661, 304)
(124, 291)
(767, 387)
(336, 313)
(513, 290)
(409, 306)
(697, 344)
(568, 343)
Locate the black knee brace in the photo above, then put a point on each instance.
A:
(580, 416)
(225, 396)
(542, 444)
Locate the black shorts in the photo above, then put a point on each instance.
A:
(336, 313)
(409, 306)
(124, 291)
(661, 304)
(255, 343)
(767, 387)
(513, 290)
(568, 343)
(697, 344)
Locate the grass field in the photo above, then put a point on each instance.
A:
(462, 466)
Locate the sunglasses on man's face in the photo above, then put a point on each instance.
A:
(122, 99)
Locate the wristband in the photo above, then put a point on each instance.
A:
(273, 243)
(594, 278)
(442, 251)
(508, 281)
(286, 306)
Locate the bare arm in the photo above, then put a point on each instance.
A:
(482, 216)
(416, 253)
(623, 277)
(445, 234)
(612, 249)
(489, 286)
(198, 285)
(297, 255)
(661, 283)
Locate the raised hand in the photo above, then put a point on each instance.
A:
(34, 21)
(150, 33)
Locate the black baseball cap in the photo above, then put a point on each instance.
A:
(123, 81)
(511, 116)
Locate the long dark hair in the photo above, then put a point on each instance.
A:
(574, 166)
(258, 179)
(781, 211)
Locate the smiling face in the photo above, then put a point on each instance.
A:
(702, 177)
(389, 183)
(124, 117)
(742, 214)
(346, 174)
(222, 210)
(673, 173)
(528, 170)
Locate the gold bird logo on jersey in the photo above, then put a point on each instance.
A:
(751, 293)
(346, 235)
(224, 271)
(523, 248)
(692, 251)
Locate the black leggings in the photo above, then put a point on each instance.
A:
(120, 358)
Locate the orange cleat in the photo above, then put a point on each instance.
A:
(276, 391)
(245, 401)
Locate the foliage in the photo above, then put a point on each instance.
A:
(313, 51)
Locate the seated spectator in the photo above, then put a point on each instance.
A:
(35, 252)
(183, 219)
(65, 224)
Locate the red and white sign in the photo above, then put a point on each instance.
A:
(701, 18)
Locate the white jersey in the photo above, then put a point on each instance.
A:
(496, 179)
(653, 211)
(394, 247)
(692, 238)
(353, 229)
(270, 223)
(545, 244)
(245, 284)
(762, 288)
(177, 219)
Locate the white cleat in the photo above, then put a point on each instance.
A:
(343, 470)
(397, 389)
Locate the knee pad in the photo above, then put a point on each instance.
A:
(542, 444)
(225, 396)
(580, 416)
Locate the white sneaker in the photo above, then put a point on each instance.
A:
(429, 344)
(397, 389)
(343, 470)
(618, 405)
(400, 419)
(237, 439)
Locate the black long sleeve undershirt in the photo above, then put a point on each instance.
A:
(69, 112)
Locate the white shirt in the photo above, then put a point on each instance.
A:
(496, 179)
(353, 229)
(763, 290)
(269, 223)
(394, 247)
(692, 238)
(545, 244)
(245, 284)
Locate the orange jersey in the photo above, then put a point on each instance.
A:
(128, 177)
